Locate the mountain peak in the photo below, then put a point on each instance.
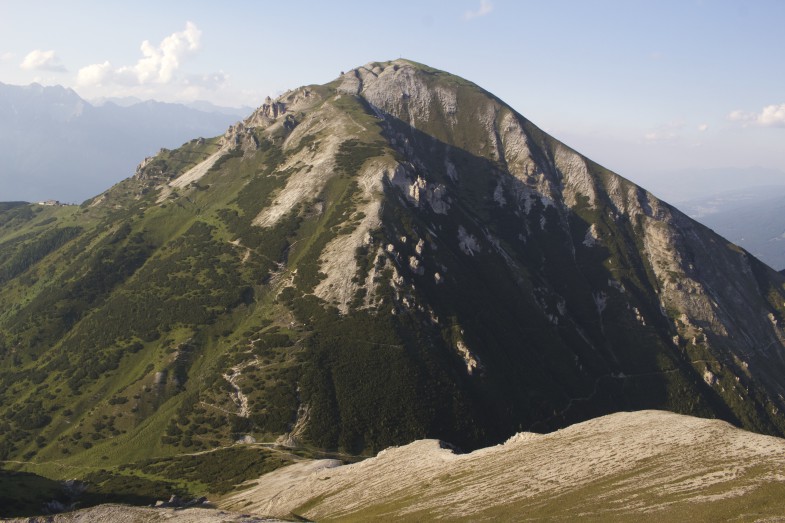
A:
(391, 256)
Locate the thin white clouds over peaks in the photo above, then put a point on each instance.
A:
(207, 81)
(485, 7)
(770, 116)
(42, 61)
(158, 65)
(740, 116)
(669, 132)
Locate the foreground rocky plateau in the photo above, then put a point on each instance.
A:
(631, 466)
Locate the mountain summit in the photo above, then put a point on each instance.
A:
(391, 256)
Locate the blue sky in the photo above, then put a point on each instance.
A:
(650, 89)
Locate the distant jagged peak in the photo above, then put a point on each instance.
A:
(56, 89)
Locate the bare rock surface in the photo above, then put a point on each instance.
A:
(649, 465)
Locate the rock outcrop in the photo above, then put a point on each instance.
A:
(272, 109)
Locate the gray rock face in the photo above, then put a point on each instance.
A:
(240, 135)
(273, 109)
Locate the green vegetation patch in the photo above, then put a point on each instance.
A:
(219, 470)
(17, 256)
(105, 486)
(24, 493)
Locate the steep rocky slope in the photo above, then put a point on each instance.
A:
(393, 256)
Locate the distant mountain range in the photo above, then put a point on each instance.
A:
(753, 218)
(200, 105)
(56, 145)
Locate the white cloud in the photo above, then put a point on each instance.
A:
(158, 65)
(668, 132)
(703, 127)
(741, 116)
(207, 81)
(485, 7)
(199, 87)
(95, 74)
(42, 61)
(770, 116)
(6, 57)
(659, 136)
